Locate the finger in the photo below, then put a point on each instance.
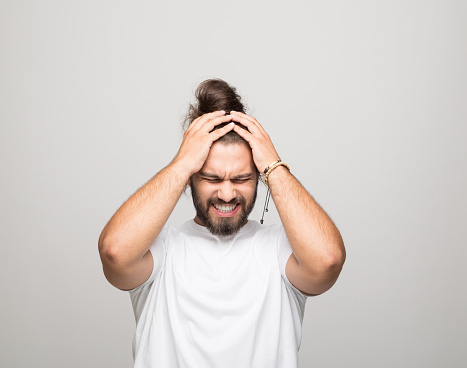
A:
(250, 125)
(246, 116)
(207, 117)
(209, 125)
(215, 135)
(263, 154)
(245, 134)
(249, 118)
(192, 124)
(196, 123)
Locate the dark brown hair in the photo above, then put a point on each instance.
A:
(214, 95)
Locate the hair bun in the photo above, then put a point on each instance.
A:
(214, 95)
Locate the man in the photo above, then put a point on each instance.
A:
(221, 291)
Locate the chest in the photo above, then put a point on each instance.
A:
(237, 274)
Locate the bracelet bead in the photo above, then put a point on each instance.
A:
(270, 168)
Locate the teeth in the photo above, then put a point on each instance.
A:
(225, 207)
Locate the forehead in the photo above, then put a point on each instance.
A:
(229, 159)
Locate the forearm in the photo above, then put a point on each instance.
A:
(315, 240)
(137, 223)
(126, 239)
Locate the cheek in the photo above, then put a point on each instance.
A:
(248, 193)
(207, 192)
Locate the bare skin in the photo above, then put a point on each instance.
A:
(228, 172)
(125, 240)
(318, 250)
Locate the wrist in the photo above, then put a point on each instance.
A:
(181, 169)
(271, 164)
(281, 165)
(278, 172)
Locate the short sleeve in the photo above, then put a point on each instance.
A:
(158, 250)
(284, 252)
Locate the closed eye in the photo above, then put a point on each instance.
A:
(238, 179)
(241, 180)
(218, 180)
(212, 180)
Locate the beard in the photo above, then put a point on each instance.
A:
(223, 226)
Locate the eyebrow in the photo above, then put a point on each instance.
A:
(214, 176)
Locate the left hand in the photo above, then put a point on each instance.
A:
(261, 145)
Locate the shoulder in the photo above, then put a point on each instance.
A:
(254, 228)
(171, 231)
(272, 236)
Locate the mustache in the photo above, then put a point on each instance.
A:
(219, 201)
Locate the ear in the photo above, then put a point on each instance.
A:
(189, 182)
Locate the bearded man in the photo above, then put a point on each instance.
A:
(220, 291)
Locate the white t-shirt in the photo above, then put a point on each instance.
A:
(218, 302)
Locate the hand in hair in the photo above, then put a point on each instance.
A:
(261, 145)
(199, 137)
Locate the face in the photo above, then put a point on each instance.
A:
(224, 190)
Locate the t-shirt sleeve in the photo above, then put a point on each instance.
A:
(158, 250)
(284, 253)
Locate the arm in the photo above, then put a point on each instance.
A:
(126, 239)
(318, 249)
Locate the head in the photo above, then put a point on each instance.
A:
(215, 95)
(224, 190)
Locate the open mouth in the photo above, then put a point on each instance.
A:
(226, 209)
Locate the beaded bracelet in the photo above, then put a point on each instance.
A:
(266, 173)
(271, 167)
(268, 167)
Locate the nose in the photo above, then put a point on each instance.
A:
(226, 191)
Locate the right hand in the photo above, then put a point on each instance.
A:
(197, 140)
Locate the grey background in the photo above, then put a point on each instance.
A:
(366, 101)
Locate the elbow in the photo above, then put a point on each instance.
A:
(339, 255)
(334, 266)
(333, 261)
(109, 250)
